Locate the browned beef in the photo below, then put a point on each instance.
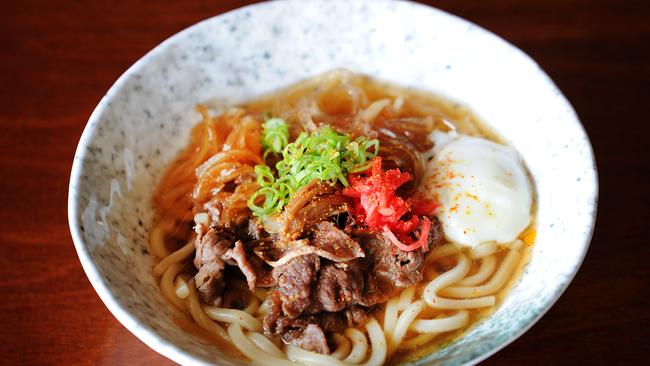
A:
(263, 272)
(340, 287)
(209, 282)
(294, 283)
(293, 330)
(276, 323)
(337, 287)
(311, 338)
(273, 325)
(341, 247)
(212, 246)
(249, 230)
(208, 260)
(213, 251)
(239, 256)
(328, 299)
(436, 235)
(334, 289)
(398, 152)
(356, 315)
(394, 267)
(329, 322)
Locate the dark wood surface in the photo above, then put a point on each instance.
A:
(58, 58)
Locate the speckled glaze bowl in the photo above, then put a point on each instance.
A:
(145, 118)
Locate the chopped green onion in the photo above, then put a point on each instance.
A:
(324, 154)
(276, 135)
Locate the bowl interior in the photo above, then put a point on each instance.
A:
(145, 119)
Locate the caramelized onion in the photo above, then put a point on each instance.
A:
(317, 210)
(398, 153)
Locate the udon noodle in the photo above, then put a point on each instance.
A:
(458, 286)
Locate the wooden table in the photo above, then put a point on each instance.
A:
(60, 57)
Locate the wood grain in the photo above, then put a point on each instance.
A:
(60, 57)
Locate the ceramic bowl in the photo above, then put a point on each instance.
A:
(145, 119)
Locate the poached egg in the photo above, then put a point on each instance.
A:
(482, 187)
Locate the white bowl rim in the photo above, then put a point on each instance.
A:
(171, 350)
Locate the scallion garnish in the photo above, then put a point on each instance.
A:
(276, 135)
(324, 154)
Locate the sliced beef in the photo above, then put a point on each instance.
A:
(298, 331)
(340, 287)
(394, 267)
(294, 283)
(436, 235)
(239, 256)
(213, 251)
(329, 322)
(263, 272)
(249, 230)
(212, 246)
(311, 338)
(337, 287)
(208, 260)
(338, 245)
(324, 280)
(268, 249)
(327, 297)
(397, 152)
(356, 315)
(209, 282)
(278, 256)
(272, 321)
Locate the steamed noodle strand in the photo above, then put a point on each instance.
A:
(418, 340)
(222, 150)
(403, 322)
(493, 285)
(176, 257)
(266, 345)
(343, 346)
(390, 316)
(251, 350)
(484, 272)
(359, 346)
(233, 316)
(405, 298)
(168, 286)
(456, 321)
(459, 272)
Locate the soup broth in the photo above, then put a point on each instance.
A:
(271, 241)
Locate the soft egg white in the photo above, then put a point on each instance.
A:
(482, 187)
